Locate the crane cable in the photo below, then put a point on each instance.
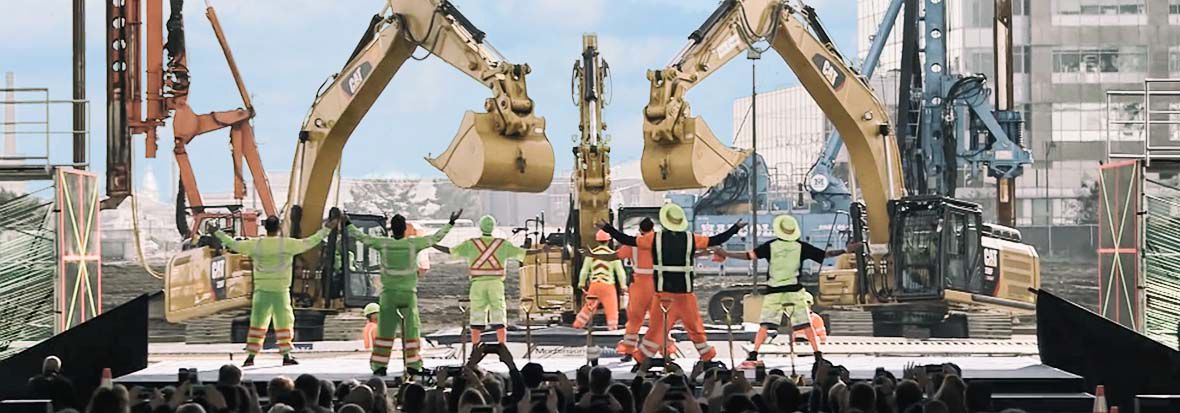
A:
(136, 234)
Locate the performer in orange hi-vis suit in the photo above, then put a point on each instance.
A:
(642, 290)
(599, 278)
(674, 252)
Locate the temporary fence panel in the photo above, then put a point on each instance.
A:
(79, 287)
(1120, 187)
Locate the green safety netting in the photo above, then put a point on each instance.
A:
(1161, 255)
(28, 264)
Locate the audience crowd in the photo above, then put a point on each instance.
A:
(829, 389)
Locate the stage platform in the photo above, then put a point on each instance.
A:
(338, 360)
(1012, 367)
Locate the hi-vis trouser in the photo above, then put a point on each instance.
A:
(607, 297)
(388, 323)
(266, 305)
(398, 300)
(488, 306)
(683, 308)
(642, 292)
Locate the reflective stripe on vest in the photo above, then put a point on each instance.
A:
(284, 264)
(487, 263)
(686, 269)
(601, 271)
(413, 262)
(635, 263)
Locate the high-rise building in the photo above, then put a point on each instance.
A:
(1067, 54)
(791, 132)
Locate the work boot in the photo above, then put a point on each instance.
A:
(380, 372)
(249, 361)
(289, 361)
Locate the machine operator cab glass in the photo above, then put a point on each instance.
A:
(936, 246)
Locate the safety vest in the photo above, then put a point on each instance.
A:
(411, 263)
(784, 263)
(601, 271)
(487, 264)
(272, 264)
(635, 263)
(673, 252)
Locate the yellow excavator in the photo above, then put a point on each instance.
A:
(503, 149)
(548, 275)
(929, 265)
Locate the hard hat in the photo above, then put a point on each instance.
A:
(672, 217)
(486, 224)
(601, 236)
(410, 230)
(786, 228)
(371, 308)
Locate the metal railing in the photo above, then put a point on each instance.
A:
(31, 162)
(1160, 109)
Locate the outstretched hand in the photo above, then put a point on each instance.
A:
(455, 216)
(853, 246)
(602, 223)
(741, 223)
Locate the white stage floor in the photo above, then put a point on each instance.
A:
(1000, 359)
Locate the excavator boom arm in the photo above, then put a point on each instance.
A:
(507, 138)
(796, 35)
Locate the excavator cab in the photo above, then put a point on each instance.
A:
(941, 248)
(680, 151)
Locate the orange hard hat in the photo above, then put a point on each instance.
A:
(602, 236)
(410, 230)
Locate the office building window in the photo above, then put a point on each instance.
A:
(1174, 61)
(1086, 122)
(1099, 12)
(1173, 11)
(1021, 59)
(1020, 7)
(1110, 64)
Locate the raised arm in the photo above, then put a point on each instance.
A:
(361, 236)
(725, 236)
(619, 236)
(313, 241)
(227, 241)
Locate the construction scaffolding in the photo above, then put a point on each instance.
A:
(34, 125)
(1161, 257)
(28, 263)
(1139, 211)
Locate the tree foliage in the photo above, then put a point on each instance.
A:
(416, 199)
(1088, 203)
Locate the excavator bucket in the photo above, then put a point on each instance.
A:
(698, 160)
(481, 158)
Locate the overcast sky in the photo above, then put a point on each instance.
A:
(285, 49)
